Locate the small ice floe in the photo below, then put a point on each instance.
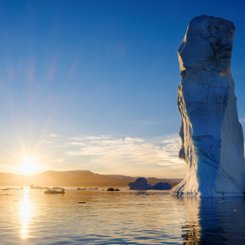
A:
(55, 190)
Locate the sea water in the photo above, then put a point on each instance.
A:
(29, 216)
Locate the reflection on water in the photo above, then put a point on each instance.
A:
(222, 221)
(191, 230)
(215, 221)
(25, 213)
(125, 217)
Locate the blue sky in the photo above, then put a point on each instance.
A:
(80, 74)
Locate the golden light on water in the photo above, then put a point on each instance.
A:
(26, 211)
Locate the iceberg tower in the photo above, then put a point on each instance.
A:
(212, 137)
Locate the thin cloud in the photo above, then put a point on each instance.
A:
(128, 153)
(54, 135)
(58, 160)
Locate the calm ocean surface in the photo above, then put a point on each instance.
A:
(125, 217)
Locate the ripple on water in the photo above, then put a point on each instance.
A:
(31, 217)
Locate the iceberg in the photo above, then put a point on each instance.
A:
(212, 137)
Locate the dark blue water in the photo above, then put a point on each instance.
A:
(125, 217)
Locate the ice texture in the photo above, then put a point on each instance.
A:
(212, 137)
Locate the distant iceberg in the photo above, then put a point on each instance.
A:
(142, 184)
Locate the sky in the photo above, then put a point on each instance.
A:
(92, 84)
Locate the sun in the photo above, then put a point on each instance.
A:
(28, 165)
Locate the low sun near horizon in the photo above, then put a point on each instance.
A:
(28, 165)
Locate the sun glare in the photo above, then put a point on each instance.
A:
(28, 165)
(26, 211)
